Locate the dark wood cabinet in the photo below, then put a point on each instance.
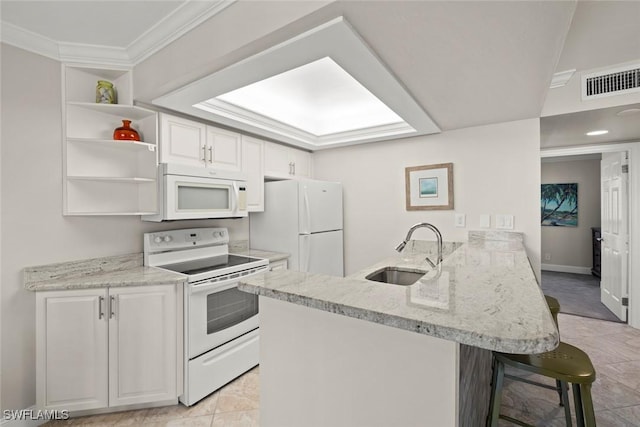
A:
(595, 240)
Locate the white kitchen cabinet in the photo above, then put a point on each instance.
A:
(224, 149)
(193, 143)
(253, 166)
(282, 162)
(103, 176)
(182, 141)
(278, 265)
(100, 348)
(72, 358)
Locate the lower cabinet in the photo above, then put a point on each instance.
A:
(106, 347)
(278, 265)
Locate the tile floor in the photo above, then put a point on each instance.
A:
(614, 349)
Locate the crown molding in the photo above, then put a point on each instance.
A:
(561, 78)
(28, 40)
(178, 23)
(182, 20)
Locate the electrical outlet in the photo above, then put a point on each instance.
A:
(547, 256)
(485, 221)
(460, 220)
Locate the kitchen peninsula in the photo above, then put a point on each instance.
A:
(355, 352)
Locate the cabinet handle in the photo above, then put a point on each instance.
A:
(290, 168)
(112, 303)
(210, 154)
(204, 154)
(100, 305)
(294, 168)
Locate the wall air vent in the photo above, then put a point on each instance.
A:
(611, 82)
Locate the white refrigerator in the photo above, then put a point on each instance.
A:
(303, 219)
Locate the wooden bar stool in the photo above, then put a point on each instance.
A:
(567, 364)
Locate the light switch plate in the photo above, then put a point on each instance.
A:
(485, 221)
(460, 220)
(504, 222)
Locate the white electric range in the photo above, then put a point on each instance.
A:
(221, 338)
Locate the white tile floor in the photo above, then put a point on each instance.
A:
(614, 349)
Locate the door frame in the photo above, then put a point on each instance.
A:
(633, 148)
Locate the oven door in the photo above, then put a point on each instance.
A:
(190, 197)
(218, 313)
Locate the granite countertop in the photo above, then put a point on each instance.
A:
(484, 294)
(115, 271)
(271, 256)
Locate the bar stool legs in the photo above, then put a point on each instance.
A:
(566, 364)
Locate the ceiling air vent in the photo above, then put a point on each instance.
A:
(611, 82)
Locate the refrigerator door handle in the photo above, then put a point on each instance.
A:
(307, 213)
(305, 252)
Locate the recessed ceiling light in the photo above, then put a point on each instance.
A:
(320, 98)
(597, 132)
(353, 98)
(628, 112)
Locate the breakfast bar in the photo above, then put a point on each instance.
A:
(360, 351)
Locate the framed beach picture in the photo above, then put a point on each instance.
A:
(429, 187)
(559, 205)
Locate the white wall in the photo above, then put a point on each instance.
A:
(571, 246)
(496, 171)
(34, 232)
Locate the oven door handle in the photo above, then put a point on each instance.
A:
(212, 286)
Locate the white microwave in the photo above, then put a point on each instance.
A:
(186, 192)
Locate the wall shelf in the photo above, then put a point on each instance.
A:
(103, 176)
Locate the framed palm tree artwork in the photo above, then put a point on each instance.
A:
(559, 205)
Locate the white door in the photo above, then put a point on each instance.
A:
(277, 163)
(320, 206)
(182, 141)
(615, 238)
(142, 344)
(321, 253)
(72, 356)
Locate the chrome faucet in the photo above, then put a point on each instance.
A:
(433, 228)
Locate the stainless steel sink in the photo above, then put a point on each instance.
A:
(396, 276)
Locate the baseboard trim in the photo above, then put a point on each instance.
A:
(4, 422)
(566, 269)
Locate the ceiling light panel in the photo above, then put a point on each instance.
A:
(320, 98)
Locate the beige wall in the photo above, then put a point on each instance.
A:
(496, 171)
(34, 232)
(571, 246)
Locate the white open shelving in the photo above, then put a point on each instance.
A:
(103, 176)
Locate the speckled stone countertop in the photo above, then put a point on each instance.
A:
(484, 294)
(122, 270)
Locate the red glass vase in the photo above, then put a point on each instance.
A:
(126, 132)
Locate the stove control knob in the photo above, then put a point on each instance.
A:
(158, 239)
(167, 239)
(217, 234)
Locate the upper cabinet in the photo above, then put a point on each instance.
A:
(282, 162)
(192, 143)
(103, 176)
(253, 166)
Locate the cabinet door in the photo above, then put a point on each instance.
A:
(277, 163)
(224, 149)
(142, 344)
(182, 141)
(71, 350)
(253, 166)
(301, 163)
